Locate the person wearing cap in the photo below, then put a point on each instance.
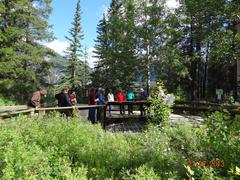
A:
(34, 101)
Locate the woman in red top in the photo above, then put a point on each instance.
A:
(121, 98)
(72, 97)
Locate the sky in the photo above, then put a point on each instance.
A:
(62, 17)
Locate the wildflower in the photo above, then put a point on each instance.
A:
(94, 170)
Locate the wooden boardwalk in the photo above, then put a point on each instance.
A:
(112, 122)
(136, 123)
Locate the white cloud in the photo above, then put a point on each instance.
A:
(58, 46)
(172, 4)
(91, 59)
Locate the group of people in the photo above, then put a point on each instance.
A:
(101, 97)
(65, 98)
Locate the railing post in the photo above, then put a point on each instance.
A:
(102, 112)
(41, 113)
(32, 112)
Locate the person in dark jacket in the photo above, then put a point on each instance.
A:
(92, 110)
(64, 101)
(143, 97)
(34, 101)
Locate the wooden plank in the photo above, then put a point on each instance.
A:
(12, 114)
(102, 111)
(13, 108)
(70, 107)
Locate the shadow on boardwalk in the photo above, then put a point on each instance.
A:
(136, 123)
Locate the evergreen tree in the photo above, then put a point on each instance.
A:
(100, 73)
(74, 52)
(150, 25)
(23, 24)
(116, 45)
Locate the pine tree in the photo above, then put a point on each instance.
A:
(23, 24)
(101, 52)
(75, 52)
(115, 45)
(150, 33)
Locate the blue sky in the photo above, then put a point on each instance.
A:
(62, 17)
(63, 13)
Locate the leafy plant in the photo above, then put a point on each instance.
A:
(161, 102)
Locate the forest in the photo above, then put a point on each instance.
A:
(191, 51)
(194, 48)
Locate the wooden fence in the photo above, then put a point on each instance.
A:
(18, 110)
(180, 106)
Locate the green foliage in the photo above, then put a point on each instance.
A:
(115, 46)
(160, 108)
(223, 132)
(77, 70)
(54, 148)
(8, 102)
(22, 59)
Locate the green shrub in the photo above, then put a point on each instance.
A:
(8, 101)
(161, 102)
(223, 132)
(56, 148)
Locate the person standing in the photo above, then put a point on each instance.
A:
(92, 110)
(72, 97)
(64, 101)
(34, 101)
(143, 97)
(121, 98)
(130, 97)
(110, 98)
(101, 100)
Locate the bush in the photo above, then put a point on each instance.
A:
(54, 148)
(161, 102)
(9, 101)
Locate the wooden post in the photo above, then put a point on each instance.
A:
(32, 112)
(102, 111)
(41, 113)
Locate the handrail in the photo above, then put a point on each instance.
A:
(69, 107)
(129, 103)
(12, 108)
(7, 114)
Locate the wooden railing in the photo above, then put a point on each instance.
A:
(192, 107)
(18, 110)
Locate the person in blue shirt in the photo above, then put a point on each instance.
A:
(130, 97)
(101, 97)
(101, 100)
